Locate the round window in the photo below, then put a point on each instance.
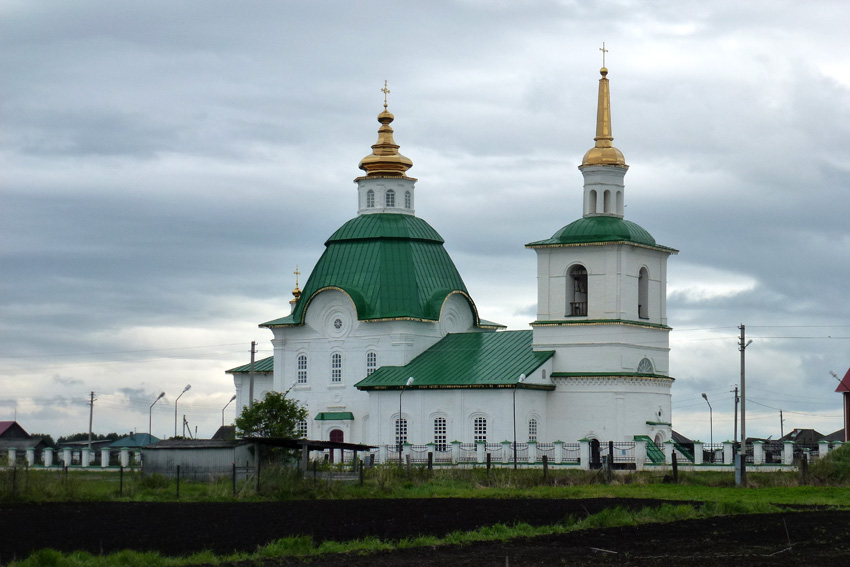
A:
(337, 324)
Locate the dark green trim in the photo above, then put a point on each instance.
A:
(334, 415)
(659, 423)
(590, 322)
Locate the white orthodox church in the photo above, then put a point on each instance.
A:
(385, 345)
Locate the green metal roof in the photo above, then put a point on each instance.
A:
(333, 415)
(601, 229)
(262, 365)
(392, 266)
(465, 360)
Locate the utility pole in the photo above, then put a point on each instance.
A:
(737, 399)
(781, 425)
(742, 346)
(251, 374)
(91, 416)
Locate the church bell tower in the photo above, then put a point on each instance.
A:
(602, 307)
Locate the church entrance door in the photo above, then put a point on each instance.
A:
(336, 436)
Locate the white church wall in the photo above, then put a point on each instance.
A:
(608, 409)
(459, 406)
(331, 327)
(603, 348)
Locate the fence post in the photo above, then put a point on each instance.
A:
(361, 473)
(480, 450)
(559, 452)
(674, 461)
(698, 452)
(455, 452)
(584, 454)
(728, 447)
(488, 464)
(788, 453)
(47, 456)
(532, 451)
(758, 452)
(545, 466)
(430, 460)
(640, 454)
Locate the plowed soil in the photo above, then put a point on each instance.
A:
(798, 538)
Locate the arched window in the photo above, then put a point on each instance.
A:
(532, 429)
(400, 433)
(577, 292)
(391, 198)
(620, 205)
(301, 428)
(479, 429)
(407, 203)
(591, 203)
(302, 369)
(606, 196)
(370, 198)
(336, 368)
(440, 433)
(645, 366)
(643, 294)
(371, 362)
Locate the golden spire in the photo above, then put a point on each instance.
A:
(385, 161)
(604, 152)
(296, 293)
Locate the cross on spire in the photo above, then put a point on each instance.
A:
(386, 91)
(297, 273)
(604, 51)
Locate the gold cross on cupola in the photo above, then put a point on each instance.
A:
(604, 51)
(386, 91)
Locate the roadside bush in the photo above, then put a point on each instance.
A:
(833, 469)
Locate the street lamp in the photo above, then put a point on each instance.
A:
(186, 389)
(711, 425)
(225, 407)
(398, 423)
(520, 381)
(150, 413)
(742, 346)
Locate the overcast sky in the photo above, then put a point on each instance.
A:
(164, 166)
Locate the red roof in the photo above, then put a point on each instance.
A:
(844, 386)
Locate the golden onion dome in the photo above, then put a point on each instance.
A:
(604, 152)
(385, 161)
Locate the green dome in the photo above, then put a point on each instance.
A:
(596, 229)
(391, 265)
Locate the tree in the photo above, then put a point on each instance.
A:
(273, 416)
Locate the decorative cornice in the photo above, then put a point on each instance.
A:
(596, 322)
(666, 249)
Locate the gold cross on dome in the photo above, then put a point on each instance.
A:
(386, 91)
(604, 51)
(297, 273)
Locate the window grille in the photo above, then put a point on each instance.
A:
(407, 203)
(479, 429)
(400, 432)
(302, 369)
(391, 198)
(336, 368)
(301, 428)
(532, 429)
(370, 198)
(440, 434)
(371, 362)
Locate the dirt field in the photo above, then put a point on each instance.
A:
(816, 537)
